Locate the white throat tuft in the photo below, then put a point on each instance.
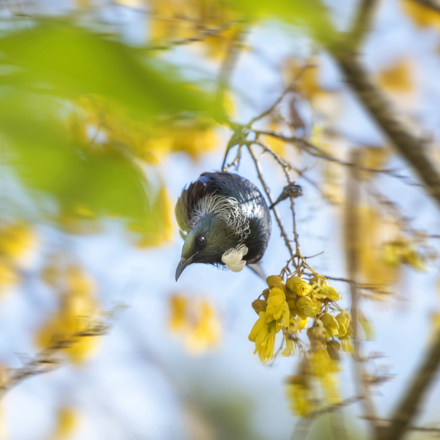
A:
(233, 258)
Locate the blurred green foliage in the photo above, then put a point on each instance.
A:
(310, 15)
(44, 70)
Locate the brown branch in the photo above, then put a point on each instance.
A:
(362, 21)
(351, 249)
(413, 149)
(429, 4)
(48, 359)
(410, 404)
(385, 422)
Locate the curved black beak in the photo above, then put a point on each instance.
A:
(184, 262)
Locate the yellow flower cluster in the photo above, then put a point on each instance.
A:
(177, 20)
(196, 321)
(16, 242)
(400, 251)
(78, 307)
(288, 306)
(147, 140)
(382, 249)
(303, 397)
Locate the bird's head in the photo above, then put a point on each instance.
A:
(206, 243)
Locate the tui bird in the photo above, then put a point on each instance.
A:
(224, 220)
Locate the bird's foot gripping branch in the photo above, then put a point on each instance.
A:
(286, 307)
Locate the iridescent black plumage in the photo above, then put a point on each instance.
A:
(248, 204)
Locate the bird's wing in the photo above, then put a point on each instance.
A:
(189, 198)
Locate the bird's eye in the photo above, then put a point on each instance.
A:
(201, 240)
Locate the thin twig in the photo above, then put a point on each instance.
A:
(209, 32)
(315, 151)
(48, 359)
(284, 165)
(266, 189)
(287, 90)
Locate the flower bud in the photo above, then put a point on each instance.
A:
(259, 305)
(298, 286)
(330, 324)
(276, 281)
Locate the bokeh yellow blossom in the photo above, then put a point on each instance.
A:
(196, 321)
(66, 422)
(78, 307)
(422, 15)
(16, 239)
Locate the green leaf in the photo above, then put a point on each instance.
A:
(310, 14)
(65, 60)
(45, 160)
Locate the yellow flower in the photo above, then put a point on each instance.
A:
(317, 336)
(16, 239)
(346, 345)
(178, 308)
(79, 282)
(308, 306)
(196, 322)
(412, 258)
(298, 286)
(290, 349)
(259, 305)
(299, 396)
(276, 281)
(343, 320)
(331, 293)
(398, 77)
(324, 369)
(206, 331)
(323, 290)
(422, 16)
(67, 420)
(8, 276)
(266, 346)
(260, 329)
(277, 307)
(78, 308)
(330, 324)
(299, 322)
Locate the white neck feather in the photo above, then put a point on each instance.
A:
(233, 258)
